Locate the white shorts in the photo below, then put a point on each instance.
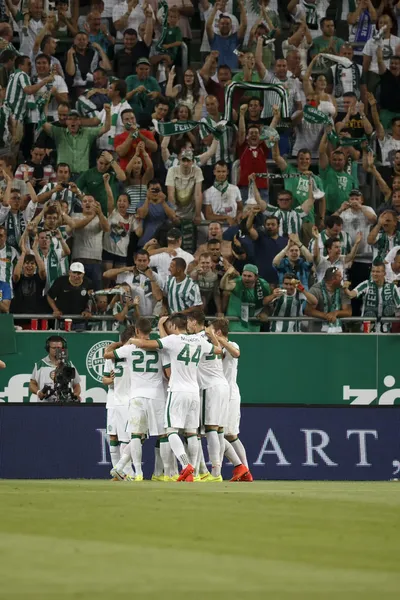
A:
(146, 415)
(214, 405)
(117, 420)
(232, 427)
(182, 410)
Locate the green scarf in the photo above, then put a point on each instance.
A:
(181, 127)
(383, 244)
(285, 306)
(331, 305)
(258, 295)
(14, 232)
(315, 116)
(335, 140)
(311, 14)
(221, 187)
(279, 175)
(270, 136)
(53, 267)
(162, 5)
(246, 85)
(372, 298)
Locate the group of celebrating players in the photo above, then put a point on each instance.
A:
(180, 384)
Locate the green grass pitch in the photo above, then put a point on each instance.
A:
(274, 540)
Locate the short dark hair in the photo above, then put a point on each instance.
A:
(162, 100)
(103, 71)
(333, 220)
(127, 110)
(252, 99)
(349, 95)
(143, 325)
(45, 56)
(198, 316)
(6, 55)
(142, 252)
(180, 263)
(221, 163)
(178, 320)
(44, 41)
(221, 325)
(394, 120)
(224, 67)
(63, 164)
(324, 19)
(273, 217)
(127, 333)
(154, 182)
(121, 87)
(213, 242)
(289, 276)
(130, 31)
(379, 263)
(29, 258)
(329, 242)
(285, 193)
(304, 151)
(20, 60)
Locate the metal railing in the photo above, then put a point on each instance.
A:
(301, 319)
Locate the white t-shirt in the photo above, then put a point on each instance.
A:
(146, 371)
(211, 371)
(346, 80)
(116, 241)
(223, 204)
(43, 373)
(353, 222)
(61, 88)
(88, 241)
(106, 141)
(184, 189)
(107, 368)
(389, 146)
(122, 380)
(390, 275)
(388, 48)
(185, 353)
(324, 264)
(141, 286)
(136, 17)
(163, 260)
(28, 41)
(230, 368)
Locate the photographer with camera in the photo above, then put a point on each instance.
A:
(62, 190)
(54, 378)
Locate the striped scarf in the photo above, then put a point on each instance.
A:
(286, 306)
(15, 225)
(372, 307)
(162, 5)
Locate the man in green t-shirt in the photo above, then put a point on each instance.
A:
(91, 182)
(173, 37)
(327, 42)
(337, 182)
(299, 185)
(249, 295)
(143, 91)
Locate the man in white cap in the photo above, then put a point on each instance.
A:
(69, 294)
(184, 187)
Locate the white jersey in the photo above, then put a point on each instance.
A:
(122, 380)
(185, 353)
(146, 371)
(230, 367)
(107, 368)
(211, 372)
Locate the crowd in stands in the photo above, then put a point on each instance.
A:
(242, 156)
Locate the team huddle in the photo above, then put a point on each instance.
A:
(178, 388)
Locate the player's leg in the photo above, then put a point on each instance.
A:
(231, 435)
(167, 457)
(210, 416)
(113, 438)
(124, 464)
(176, 410)
(155, 416)
(158, 473)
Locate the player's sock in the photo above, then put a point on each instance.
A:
(203, 467)
(136, 453)
(175, 468)
(167, 457)
(221, 440)
(178, 449)
(197, 465)
(214, 452)
(193, 448)
(231, 454)
(114, 452)
(240, 451)
(158, 464)
(124, 463)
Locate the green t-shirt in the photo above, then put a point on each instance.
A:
(255, 78)
(140, 102)
(91, 183)
(246, 297)
(174, 34)
(299, 189)
(320, 45)
(337, 186)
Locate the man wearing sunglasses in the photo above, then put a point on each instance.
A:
(155, 211)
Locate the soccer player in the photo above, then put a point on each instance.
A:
(119, 376)
(214, 402)
(231, 354)
(147, 406)
(182, 411)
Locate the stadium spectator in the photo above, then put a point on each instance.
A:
(69, 294)
(332, 303)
